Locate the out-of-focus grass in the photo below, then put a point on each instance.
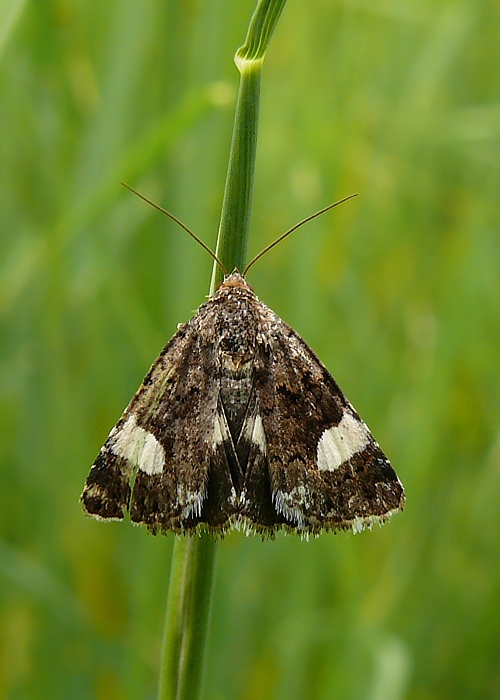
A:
(397, 291)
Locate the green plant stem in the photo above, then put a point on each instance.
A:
(186, 621)
(234, 225)
(236, 205)
(193, 559)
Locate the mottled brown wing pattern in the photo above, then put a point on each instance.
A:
(167, 426)
(326, 470)
(239, 424)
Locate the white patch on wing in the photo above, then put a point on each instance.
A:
(219, 427)
(258, 434)
(360, 524)
(341, 442)
(192, 501)
(139, 447)
(152, 459)
(286, 504)
(253, 432)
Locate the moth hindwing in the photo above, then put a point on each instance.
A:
(239, 424)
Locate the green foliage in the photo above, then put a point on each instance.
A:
(397, 291)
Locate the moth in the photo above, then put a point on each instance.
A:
(238, 424)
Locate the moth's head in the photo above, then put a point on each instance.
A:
(235, 280)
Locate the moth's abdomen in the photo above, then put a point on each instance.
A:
(235, 394)
(235, 352)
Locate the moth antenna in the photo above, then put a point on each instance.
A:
(179, 223)
(294, 228)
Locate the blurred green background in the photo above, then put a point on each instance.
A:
(397, 291)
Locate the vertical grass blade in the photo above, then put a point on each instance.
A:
(193, 559)
(187, 617)
(234, 225)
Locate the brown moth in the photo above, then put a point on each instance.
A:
(239, 424)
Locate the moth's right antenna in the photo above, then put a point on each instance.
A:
(179, 223)
(294, 228)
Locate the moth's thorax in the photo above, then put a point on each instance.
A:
(236, 322)
(235, 341)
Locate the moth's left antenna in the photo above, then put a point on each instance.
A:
(179, 223)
